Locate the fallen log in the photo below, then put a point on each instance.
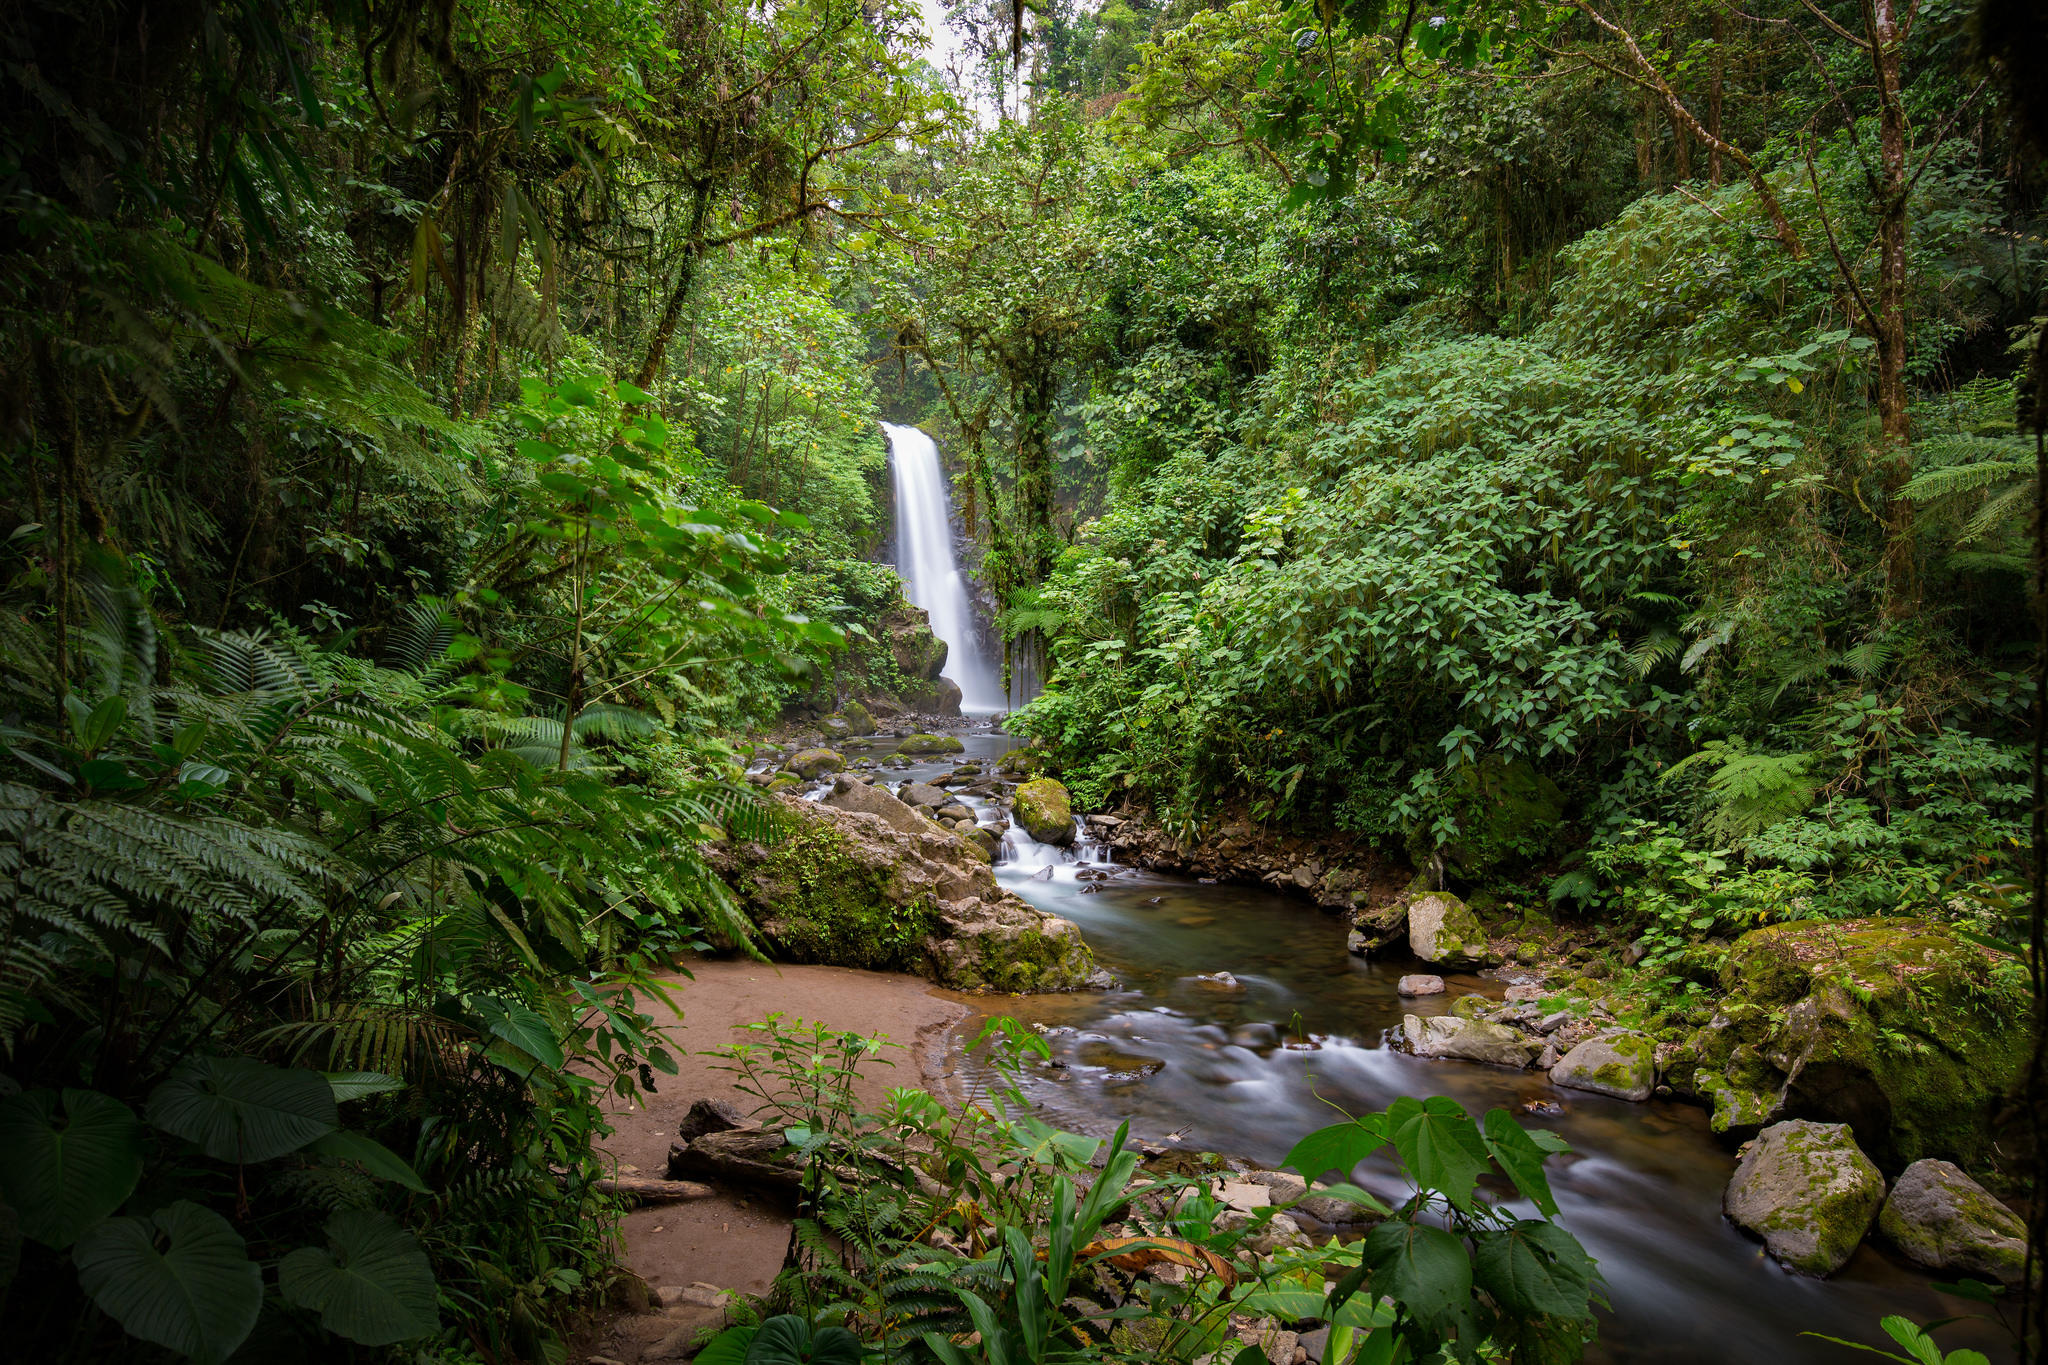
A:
(642, 1189)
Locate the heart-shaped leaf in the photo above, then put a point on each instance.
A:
(65, 1168)
(1534, 1267)
(1421, 1268)
(372, 1283)
(239, 1109)
(523, 1028)
(1339, 1148)
(181, 1278)
(1439, 1144)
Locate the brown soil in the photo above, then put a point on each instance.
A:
(735, 1240)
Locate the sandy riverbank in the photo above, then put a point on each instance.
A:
(735, 1240)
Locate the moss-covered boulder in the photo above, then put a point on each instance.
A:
(918, 654)
(1946, 1221)
(1045, 811)
(1895, 1026)
(931, 744)
(1442, 929)
(812, 764)
(853, 719)
(849, 888)
(1472, 1040)
(1808, 1191)
(1507, 811)
(1622, 1064)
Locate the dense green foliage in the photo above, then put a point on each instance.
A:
(437, 433)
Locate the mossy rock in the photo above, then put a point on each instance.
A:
(931, 744)
(831, 906)
(1621, 1064)
(1808, 1191)
(1045, 811)
(812, 764)
(1895, 1026)
(1942, 1219)
(1442, 929)
(853, 719)
(1507, 812)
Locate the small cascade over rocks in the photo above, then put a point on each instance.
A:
(931, 571)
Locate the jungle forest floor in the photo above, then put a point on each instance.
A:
(736, 1238)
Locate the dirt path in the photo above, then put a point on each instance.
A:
(734, 1240)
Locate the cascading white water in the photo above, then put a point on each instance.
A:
(931, 574)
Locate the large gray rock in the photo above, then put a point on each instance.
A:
(1946, 1221)
(848, 794)
(1622, 1064)
(1473, 1040)
(1808, 1191)
(1443, 930)
(924, 794)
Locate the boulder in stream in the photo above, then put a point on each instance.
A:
(1045, 811)
(812, 764)
(1418, 984)
(1808, 1191)
(1621, 1063)
(1472, 1040)
(1946, 1221)
(848, 794)
(1442, 929)
(931, 744)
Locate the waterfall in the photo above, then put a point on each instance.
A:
(931, 573)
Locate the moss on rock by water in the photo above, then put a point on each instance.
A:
(1893, 1025)
(931, 744)
(1046, 811)
(831, 906)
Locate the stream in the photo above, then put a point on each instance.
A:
(1248, 1072)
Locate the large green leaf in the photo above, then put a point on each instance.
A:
(373, 1156)
(1339, 1147)
(790, 1340)
(181, 1278)
(1519, 1154)
(239, 1109)
(1439, 1144)
(523, 1028)
(1534, 1267)
(728, 1347)
(356, 1085)
(1421, 1268)
(371, 1283)
(65, 1171)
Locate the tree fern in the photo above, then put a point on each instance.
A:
(1749, 791)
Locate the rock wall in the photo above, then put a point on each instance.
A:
(1336, 871)
(851, 889)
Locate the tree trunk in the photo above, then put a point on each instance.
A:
(1036, 395)
(1885, 25)
(686, 275)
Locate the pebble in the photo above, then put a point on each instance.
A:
(1517, 995)
(1551, 1023)
(1420, 984)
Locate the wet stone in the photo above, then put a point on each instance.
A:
(1421, 984)
(1119, 1063)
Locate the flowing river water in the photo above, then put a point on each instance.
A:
(1246, 1073)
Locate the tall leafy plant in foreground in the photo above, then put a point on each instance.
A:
(312, 986)
(985, 1237)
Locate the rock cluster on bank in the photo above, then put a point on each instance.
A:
(866, 881)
